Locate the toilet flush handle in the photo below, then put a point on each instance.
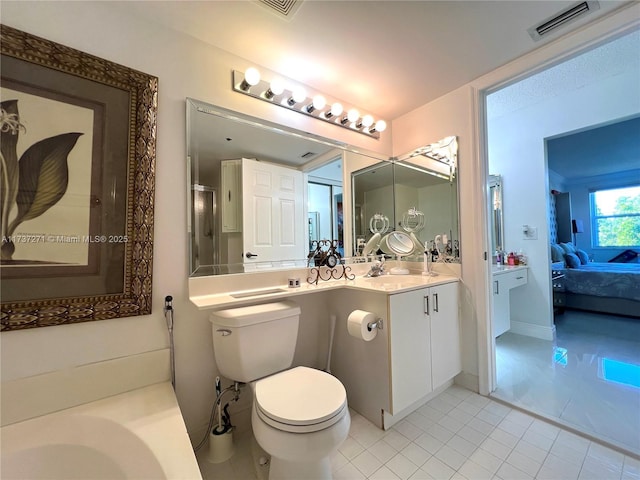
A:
(224, 331)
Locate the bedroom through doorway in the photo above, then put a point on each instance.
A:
(573, 358)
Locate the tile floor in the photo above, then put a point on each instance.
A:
(458, 435)
(567, 379)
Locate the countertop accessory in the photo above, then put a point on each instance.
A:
(325, 273)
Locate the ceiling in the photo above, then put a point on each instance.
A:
(596, 151)
(385, 57)
(609, 146)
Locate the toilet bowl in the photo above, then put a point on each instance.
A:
(299, 415)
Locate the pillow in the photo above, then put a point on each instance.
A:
(582, 255)
(572, 260)
(557, 253)
(568, 247)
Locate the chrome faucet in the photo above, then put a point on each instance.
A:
(377, 268)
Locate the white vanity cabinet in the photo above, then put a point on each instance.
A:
(424, 342)
(504, 280)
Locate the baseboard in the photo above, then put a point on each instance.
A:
(530, 330)
(468, 381)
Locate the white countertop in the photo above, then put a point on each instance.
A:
(387, 284)
(499, 269)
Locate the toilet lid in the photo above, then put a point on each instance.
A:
(300, 400)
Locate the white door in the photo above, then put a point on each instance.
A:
(274, 222)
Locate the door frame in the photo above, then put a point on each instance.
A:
(618, 24)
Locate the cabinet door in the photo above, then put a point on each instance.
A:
(501, 313)
(446, 360)
(231, 192)
(410, 348)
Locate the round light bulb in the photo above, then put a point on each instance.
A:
(367, 121)
(353, 115)
(252, 76)
(299, 94)
(336, 109)
(276, 86)
(380, 126)
(319, 102)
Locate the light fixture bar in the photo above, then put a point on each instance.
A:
(314, 106)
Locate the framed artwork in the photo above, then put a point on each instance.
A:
(78, 147)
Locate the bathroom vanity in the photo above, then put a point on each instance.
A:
(413, 357)
(505, 278)
(424, 346)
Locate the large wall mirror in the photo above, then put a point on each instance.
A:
(417, 194)
(260, 193)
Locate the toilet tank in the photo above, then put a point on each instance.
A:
(256, 341)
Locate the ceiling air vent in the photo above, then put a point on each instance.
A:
(283, 8)
(308, 155)
(551, 24)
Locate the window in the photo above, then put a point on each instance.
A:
(615, 217)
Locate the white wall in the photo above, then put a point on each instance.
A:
(517, 152)
(451, 115)
(185, 68)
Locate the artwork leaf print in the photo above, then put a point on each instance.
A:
(36, 181)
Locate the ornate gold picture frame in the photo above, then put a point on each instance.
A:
(78, 175)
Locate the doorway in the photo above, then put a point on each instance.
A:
(539, 359)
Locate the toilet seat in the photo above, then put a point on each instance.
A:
(300, 400)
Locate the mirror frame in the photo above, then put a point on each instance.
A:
(496, 213)
(138, 207)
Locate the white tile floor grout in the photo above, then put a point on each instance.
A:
(458, 435)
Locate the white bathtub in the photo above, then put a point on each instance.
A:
(134, 435)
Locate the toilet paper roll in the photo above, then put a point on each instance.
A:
(357, 325)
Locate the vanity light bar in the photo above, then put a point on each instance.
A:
(250, 83)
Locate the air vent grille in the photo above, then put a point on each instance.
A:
(562, 18)
(284, 8)
(308, 155)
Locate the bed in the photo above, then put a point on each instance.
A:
(602, 287)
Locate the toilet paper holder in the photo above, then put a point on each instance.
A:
(377, 324)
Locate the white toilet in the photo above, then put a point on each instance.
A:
(299, 415)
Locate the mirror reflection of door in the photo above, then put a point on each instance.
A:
(273, 213)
